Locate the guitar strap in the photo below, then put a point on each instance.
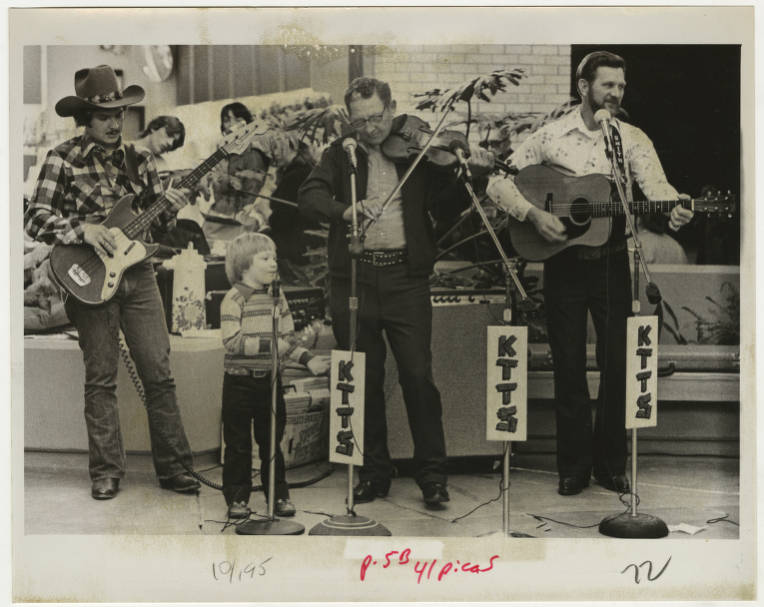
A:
(131, 166)
(618, 150)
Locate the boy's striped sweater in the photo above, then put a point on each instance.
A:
(246, 324)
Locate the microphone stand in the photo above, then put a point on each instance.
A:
(272, 525)
(525, 303)
(510, 303)
(351, 523)
(631, 524)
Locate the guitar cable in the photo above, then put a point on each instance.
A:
(138, 385)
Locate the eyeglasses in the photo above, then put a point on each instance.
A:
(374, 120)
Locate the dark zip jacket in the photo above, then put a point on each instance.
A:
(430, 193)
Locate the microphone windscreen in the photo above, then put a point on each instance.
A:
(601, 116)
(458, 144)
(349, 144)
(653, 293)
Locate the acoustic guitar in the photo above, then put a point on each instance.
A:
(94, 278)
(586, 208)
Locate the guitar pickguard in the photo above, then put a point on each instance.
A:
(128, 253)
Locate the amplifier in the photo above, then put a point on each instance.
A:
(459, 297)
(305, 303)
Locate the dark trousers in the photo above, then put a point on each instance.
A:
(572, 287)
(136, 308)
(392, 301)
(247, 404)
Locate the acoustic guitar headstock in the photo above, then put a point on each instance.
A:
(715, 202)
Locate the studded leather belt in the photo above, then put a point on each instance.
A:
(380, 258)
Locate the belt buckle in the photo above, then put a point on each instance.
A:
(378, 258)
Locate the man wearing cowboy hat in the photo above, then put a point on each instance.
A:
(79, 183)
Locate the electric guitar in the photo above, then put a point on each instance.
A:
(94, 278)
(586, 208)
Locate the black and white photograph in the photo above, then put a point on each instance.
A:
(450, 303)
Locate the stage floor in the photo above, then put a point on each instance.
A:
(691, 490)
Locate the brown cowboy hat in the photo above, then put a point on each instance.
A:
(98, 88)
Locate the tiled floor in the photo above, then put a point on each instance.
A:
(692, 490)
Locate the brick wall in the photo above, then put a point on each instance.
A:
(418, 68)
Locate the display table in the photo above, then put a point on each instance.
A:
(53, 394)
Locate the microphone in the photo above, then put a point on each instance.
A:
(603, 118)
(458, 148)
(276, 294)
(349, 145)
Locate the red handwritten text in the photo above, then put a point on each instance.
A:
(427, 569)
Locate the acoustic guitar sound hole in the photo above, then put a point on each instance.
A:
(580, 211)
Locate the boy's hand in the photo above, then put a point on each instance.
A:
(319, 365)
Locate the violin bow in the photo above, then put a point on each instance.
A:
(411, 168)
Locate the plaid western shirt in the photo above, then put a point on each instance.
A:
(80, 182)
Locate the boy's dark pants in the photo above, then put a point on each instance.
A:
(247, 403)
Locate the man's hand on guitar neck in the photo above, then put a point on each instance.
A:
(178, 197)
(679, 215)
(547, 225)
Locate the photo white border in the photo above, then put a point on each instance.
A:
(175, 568)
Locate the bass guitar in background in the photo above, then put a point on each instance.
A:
(94, 278)
(586, 208)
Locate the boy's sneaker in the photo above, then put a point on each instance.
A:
(239, 510)
(284, 507)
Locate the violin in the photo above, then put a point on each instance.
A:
(413, 136)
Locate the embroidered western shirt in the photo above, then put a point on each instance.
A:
(567, 144)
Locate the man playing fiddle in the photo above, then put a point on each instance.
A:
(580, 280)
(393, 278)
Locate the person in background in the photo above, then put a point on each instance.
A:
(657, 245)
(288, 226)
(580, 280)
(80, 181)
(163, 134)
(246, 324)
(239, 178)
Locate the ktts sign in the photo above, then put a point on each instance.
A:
(641, 372)
(347, 407)
(507, 383)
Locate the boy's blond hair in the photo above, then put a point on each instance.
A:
(241, 250)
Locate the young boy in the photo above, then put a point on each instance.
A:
(246, 322)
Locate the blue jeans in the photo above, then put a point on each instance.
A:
(390, 300)
(136, 308)
(247, 404)
(602, 287)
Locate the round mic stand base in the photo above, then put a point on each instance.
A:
(349, 524)
(269, 527)
(637, 526)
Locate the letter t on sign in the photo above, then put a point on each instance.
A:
(507, 383)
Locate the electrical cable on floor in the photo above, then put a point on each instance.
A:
(723, 519)
(495, 499)
(542, 519)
